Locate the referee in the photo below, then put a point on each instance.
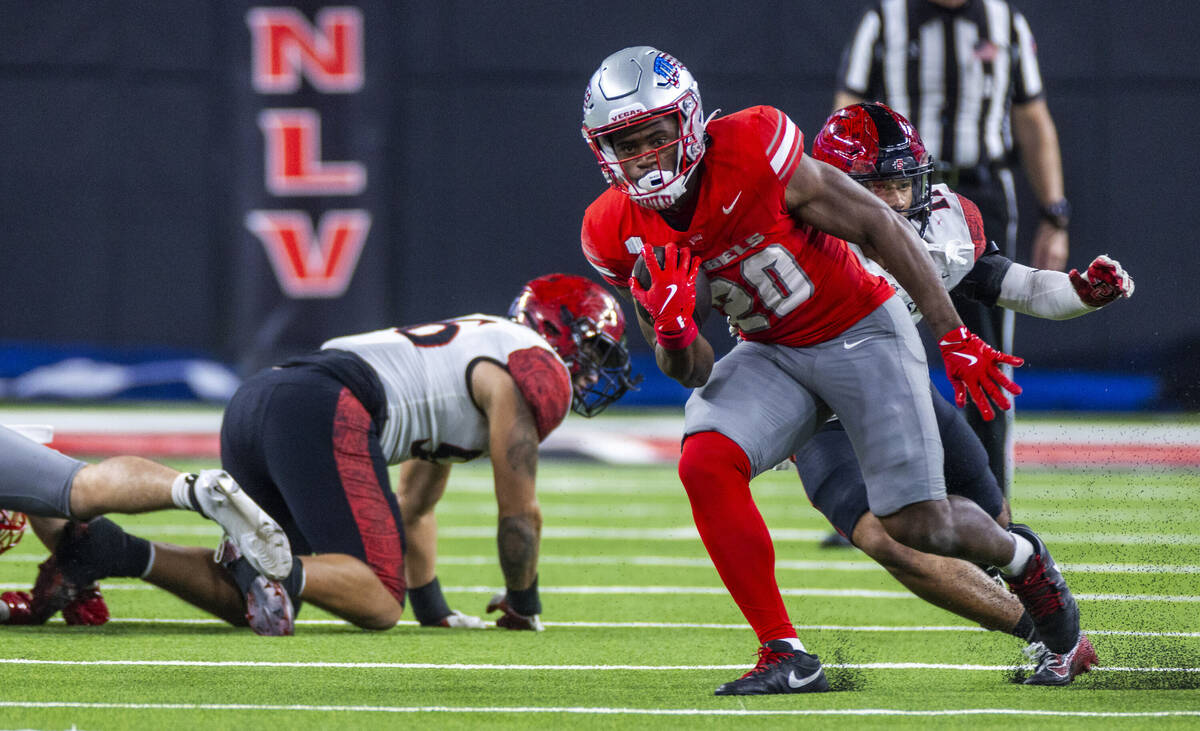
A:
(965, 72)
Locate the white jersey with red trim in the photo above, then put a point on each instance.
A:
(954, 239)
(426, 375)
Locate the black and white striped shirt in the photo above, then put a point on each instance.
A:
(954, 73)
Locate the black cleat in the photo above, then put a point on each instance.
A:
(780, 669)
(1056, 669)
(1044, 594)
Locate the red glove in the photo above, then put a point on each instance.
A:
(510, 619)
(974, 367)
(1104, 282)
(17, 604)
(672, 295)
(86, 608)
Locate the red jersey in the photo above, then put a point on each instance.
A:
(777, 280)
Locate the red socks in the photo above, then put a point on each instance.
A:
(716, 474)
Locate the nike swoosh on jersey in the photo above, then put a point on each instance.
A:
(850, 346)
(727, 209)
(795, 682)
(673, 289)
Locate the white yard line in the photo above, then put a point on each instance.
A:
(663, 425)
(851, 593)
(478, 480)
(668, 625)
(688, 533)
(780, 565)
(529, 667)
(704, 591)
(787, 565)
(595, 710)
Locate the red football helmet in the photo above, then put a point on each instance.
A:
(585, 326)
(869, 141)
(12, 527)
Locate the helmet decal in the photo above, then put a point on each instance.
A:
(667, 69)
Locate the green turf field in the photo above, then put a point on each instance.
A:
(639, 630)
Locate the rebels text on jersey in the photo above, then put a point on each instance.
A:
(777, 280)
(426, 374)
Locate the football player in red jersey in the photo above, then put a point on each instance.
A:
(311, 441)
(818, 334)
(865, 140)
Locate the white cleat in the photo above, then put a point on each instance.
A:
(253, 533)
(458, 620)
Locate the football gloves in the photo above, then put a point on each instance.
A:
(1103, 282)
(973, 367)
(510, 619)
(671, 297)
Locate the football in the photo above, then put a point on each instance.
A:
(703, 291)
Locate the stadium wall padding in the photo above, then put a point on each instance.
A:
(133, 153)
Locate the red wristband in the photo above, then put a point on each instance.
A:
(681, 339)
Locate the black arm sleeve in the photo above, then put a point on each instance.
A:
(982, 283)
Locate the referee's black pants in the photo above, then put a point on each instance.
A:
(994, 193)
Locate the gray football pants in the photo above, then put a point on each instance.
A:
(35, 479)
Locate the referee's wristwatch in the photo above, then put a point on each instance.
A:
(1058, 213)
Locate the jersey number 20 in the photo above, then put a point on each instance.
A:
(780, 286)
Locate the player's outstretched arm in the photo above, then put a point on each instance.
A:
(679, 349)
(826, 198)
(1054, 295)
(513, 445)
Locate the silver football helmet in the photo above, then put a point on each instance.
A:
(632, 87)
